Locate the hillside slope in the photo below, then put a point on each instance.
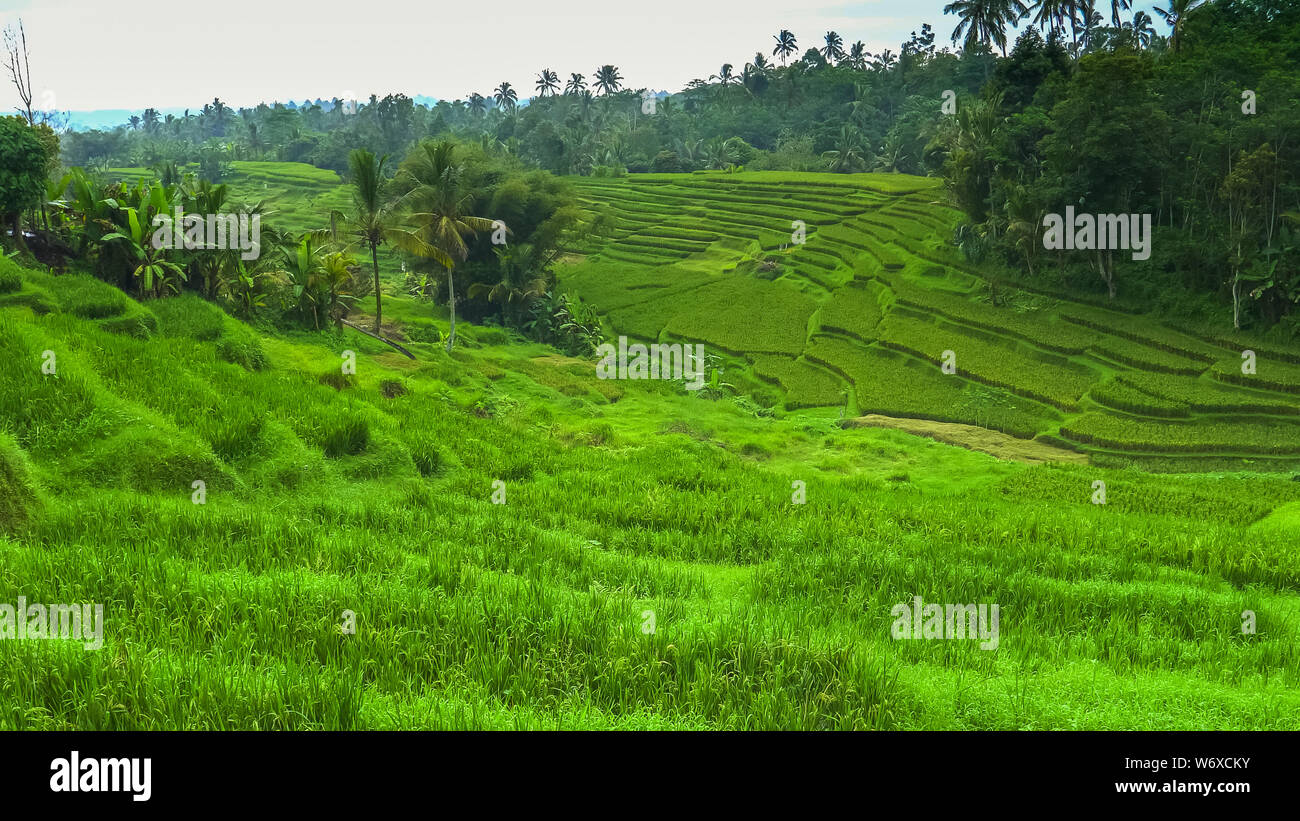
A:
(647, 566)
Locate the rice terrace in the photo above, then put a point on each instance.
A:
(759, 401)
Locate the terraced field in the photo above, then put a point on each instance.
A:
(297, 197)
(861, 312)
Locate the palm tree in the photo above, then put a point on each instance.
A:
(985, 21)
(850, 152)
(373, 220)
(519, 281)
(608, 80)
(785, 45)
(858, 55)
(1142, 29)
(1177, 13)
(548, 82)
(725, 78)
(1117, 6)
(435, 203)
(505, 96)
(477, 104)
(1052, 14)
(576, 85)
(833, 51)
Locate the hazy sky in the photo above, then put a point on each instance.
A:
(89, 54)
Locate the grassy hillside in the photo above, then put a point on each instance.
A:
(373, 494)
(861, 314)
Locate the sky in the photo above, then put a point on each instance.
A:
(89, 54)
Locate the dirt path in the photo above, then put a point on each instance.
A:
(992, 442)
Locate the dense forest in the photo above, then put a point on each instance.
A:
(1088, 107)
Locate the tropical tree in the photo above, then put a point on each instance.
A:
(477, 104)
(1176, 15)
(576, 85)
(1142, 28)
(858, 55)
(985, 21)
(506, 97)
(22, 183)
(520, 281)
(608, 80)
(435, 204)
(1117, 6)
(785, 45)
(374, 221)
(153, 271)
(833, 51)
(548, 83)
(850, 152)
(1052, 15)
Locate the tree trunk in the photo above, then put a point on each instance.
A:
(1236, 301)
(451, 307)
(19, 243)
(379, 311)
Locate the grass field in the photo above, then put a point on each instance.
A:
(878, 271)
(523, 545)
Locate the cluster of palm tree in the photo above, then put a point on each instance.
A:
(985, 22)
(606, 81)
(111, 228)
(422, 211)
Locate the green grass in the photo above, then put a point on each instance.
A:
(373, 493)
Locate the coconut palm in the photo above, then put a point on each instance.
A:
(985, 21)
(520, 282)
(833, 51)
(608, 80)
(1176, 15)
(1117, 6)
(785, 45)
(373, 221)
(576, 85)
(1143, 30)
(858, 55)
(1052, 15)
(435, 203)
(850, 152)
(477, 104)
(505, 96)
(548, 83)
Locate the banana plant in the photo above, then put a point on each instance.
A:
(153, 270)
